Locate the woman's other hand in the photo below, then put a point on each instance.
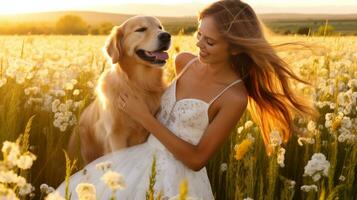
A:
(134, 106)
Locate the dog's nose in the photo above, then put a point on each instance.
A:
(164, 37)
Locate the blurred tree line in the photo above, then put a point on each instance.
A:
(316, 29)
(75, 25)
(322, 30)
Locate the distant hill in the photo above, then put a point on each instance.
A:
(92, 18)
(281, 23)
(299, 17)
(95, 18)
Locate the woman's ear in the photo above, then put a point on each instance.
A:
(112, 46)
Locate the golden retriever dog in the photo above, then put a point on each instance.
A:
(137, 52)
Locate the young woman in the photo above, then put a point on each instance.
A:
(235, 68)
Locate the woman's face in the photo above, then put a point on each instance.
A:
(213, 48)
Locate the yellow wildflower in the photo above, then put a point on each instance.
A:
(242, 148)
(336, 124)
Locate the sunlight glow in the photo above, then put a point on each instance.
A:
(31, 6)
(26, 6)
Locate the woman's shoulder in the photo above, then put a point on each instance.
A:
(235, 97)
(182, 59)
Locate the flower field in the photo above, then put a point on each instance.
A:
(46, 81)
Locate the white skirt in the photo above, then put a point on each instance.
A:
(134, 164)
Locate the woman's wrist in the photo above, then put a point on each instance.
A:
(147, 121)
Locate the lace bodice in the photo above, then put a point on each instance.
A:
(187, 118)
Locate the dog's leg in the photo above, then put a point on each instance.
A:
(137, 137)
(90, 148)
(73, 148)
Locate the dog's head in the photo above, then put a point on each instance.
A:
(141, 38)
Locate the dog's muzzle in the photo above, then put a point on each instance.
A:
(160, 55)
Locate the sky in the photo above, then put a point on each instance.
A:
(192, 6)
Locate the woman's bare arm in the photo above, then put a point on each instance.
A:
(196, 156)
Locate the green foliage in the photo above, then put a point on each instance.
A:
(304, 30)
(105, 28)
(71, 24)
(325, 30)
(150, 192)
(70, 166)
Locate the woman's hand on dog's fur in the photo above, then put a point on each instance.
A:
(134, 106)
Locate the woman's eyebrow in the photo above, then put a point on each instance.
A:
(210, 38)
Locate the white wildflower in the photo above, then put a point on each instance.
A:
(223, 167)
(346, 122)
(8, 177)
(11, 151)
(12, 177)
(248, 124)
(44, 188)
(332, 106)
(317, 166)
(240, 129)
(113, 180)
(69, 86)
(344, 98)
(74, 81)
(250, 137)
(308, 140)
(7, 193)
(291, 184)
(342, 178)
(308, 188)
(311, 126)
(86, 191)
(25, 161)
(352, 83)
(281, 157)
(55, 105)
(275, 138)
(26, 189)
(62, 108)
(54, 196)
(90, 84)
(346, 136)
(104, 166)
(76, 92)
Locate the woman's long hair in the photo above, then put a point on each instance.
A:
(272, 102)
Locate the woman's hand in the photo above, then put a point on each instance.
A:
(134, 106)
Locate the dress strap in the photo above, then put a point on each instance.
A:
(226, 88)
(186, 67)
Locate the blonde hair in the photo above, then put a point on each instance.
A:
(272, 102)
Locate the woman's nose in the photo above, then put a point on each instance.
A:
(199, 43)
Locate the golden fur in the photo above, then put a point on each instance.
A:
(102, 127)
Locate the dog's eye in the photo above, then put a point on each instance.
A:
(160, 27)
(141, 29)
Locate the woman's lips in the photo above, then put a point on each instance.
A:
(203, 54)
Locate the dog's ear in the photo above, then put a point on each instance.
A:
(113, 44)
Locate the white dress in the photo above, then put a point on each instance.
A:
(186, 118)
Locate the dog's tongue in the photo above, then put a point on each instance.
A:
(160, 55)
